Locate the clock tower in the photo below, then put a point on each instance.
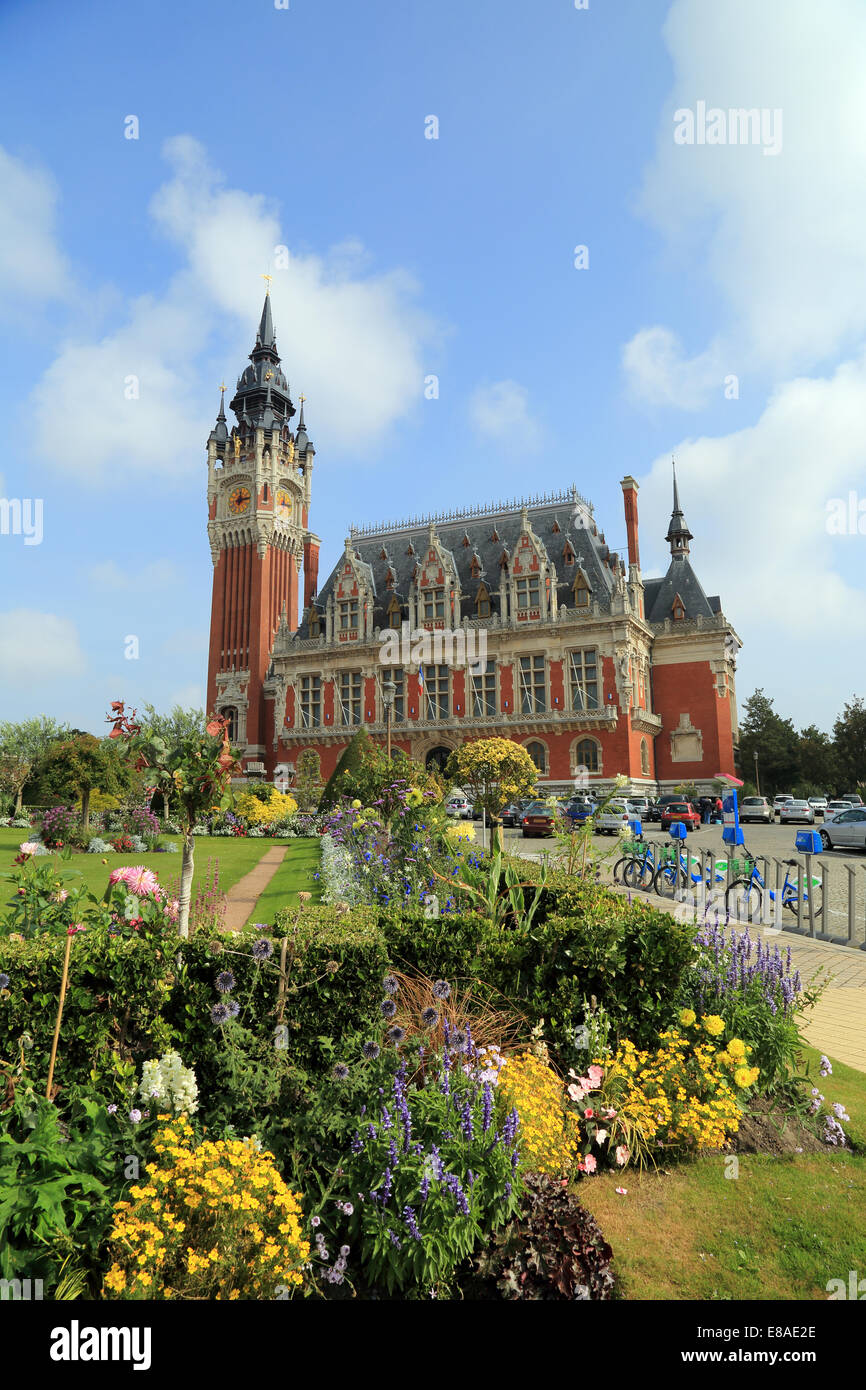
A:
(258, 495)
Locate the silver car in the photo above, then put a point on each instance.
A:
(818, 804)
(780, 801)
(796, 811)
(755, 808)
(834, 807)
(847, 830)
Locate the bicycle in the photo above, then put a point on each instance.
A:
(676, 874)
(745, 896)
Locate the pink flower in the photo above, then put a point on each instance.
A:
(589, 1163)
(622, 1155)
(596, 1075)
(623, 1191)
(141, 881)
(588, 1113)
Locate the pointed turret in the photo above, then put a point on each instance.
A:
(303, 443)
(220, 430)
(262, 395)
(678, 535)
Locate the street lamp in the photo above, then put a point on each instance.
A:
(389, 690)
(757, 779)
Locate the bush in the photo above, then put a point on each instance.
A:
(58, 823)
(176, 1240)
(554, 1249)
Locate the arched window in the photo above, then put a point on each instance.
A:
(644, 757)
(230, 714)
(538, 754)
(587, 755)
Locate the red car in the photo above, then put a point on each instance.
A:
(680, 811)
(537, 820)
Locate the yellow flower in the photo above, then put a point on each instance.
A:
(714, 1025)
(687, 1017)
(737, 1047)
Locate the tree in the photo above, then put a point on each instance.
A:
(22, 745)
(849, 738)
(819, 766)
(174, 728)
(493, 771)
(308, 780)
(195, 769)
(76, 767)
(347, 764)
(774, 739)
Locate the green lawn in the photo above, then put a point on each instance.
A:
(294, 875)
(234, 857)
(780, 1230)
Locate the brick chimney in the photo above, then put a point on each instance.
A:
(629, 498)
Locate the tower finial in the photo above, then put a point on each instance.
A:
(267, 279)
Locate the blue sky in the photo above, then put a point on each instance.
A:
(305, 128)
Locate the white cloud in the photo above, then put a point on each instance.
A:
(780, 237)
(188, 697)
(499, 410)
(36, 647)
(352, 340)
(757, 503)
(32, 266)
(158, 574)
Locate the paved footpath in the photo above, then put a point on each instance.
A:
(837, 1023)
(242, 898)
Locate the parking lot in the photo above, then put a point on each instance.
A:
(773, 841)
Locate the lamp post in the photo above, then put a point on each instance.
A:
(389, 690)
(757, 779)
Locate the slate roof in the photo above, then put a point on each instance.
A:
(659, 594)
(486, 535)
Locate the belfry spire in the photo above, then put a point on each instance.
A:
(678, 535)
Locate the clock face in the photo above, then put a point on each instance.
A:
(284, 504)
(239, 500)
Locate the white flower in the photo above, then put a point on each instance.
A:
(600, 1136)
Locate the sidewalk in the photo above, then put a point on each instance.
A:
(242, 898)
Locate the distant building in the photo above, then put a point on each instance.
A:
(595, 670)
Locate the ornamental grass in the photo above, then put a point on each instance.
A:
(212, 1221)
(418, 999)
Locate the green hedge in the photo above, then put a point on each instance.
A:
(130, 999)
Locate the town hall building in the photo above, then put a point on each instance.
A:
(560, 643)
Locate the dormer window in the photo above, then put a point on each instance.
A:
(434, 604)
(567, 554)
(581, 590)
(315, 622)
(678, 611)
(482, 602)
(395, 612)
(528, 593)
(475, 567)
(348, 609)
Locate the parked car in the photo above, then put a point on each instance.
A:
(847, 830)
(796, 811)
(615, 818)
(578, 809)
(818, 804)
(756, 808)
(780, 801)
(834, 808)
(640, 806)
(654, 812)
(680, 811)
(854, 797)
(458, 806)
(537, 819)
(512, 814)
